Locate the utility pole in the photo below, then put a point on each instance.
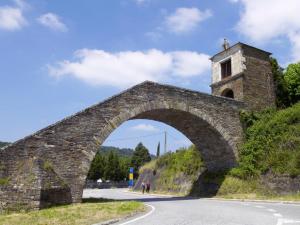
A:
(165, 142)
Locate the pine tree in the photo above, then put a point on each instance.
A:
(140, 157)
(97, 167)
(158, 150)
(112, 167)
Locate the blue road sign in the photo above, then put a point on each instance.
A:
(131, 170)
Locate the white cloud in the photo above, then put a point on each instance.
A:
(123, 69)
(184, 20)
(22, 4)
(264, 20)
(144, 127)
(11, 18)
(52, 21)
(140, 2)
(295, 42)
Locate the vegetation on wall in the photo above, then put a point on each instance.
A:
(272, 143)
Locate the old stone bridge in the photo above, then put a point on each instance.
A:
(51, 166)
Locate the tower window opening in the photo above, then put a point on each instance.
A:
(226, 69)
(228, 93)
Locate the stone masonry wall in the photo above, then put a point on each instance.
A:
(235, 83)
(258, 86)
(50, 166)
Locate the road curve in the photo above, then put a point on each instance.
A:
(190, 211)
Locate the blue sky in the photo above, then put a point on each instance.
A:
(58, 57)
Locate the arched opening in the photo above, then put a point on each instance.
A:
(118, 149)
(228, 93)
(215, 151)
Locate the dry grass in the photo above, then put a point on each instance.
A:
(255, 196)
(76, 214)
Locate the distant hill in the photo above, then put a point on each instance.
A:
(2, 144)
(122, 152)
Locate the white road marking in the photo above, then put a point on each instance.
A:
(260, 206)
(286, 221)
(141, 217)
(277, 214)
(271, 210)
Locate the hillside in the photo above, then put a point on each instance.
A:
(269, 165)
(173, 172)
(121, 152)
(272, 143)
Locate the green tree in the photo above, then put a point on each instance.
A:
(125, 164)
(158, 150)
(112, 167)
(292, 79)
(281, 91)
(140, 157)
(97, 167)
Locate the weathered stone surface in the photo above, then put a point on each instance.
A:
(251, 80)
(51, 166)
(281, 184)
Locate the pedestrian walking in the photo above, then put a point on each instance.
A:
(148, 187)
(143, 187)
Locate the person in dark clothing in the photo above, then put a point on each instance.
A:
(148, 187)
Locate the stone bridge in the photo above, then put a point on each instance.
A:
(50, 166)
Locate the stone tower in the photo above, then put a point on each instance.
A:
(244, 73)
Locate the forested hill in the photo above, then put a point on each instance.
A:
(122, 152)
(2, 144)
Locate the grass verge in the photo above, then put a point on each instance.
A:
(235, 188)
(75, 214)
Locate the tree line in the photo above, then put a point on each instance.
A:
(114, 167)
(287, 83)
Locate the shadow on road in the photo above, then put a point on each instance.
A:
(152, 199)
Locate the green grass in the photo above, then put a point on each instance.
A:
(75, 214)
(235, 188)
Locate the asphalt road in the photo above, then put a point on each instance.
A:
(190, 211)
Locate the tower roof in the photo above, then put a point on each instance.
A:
(242, 46)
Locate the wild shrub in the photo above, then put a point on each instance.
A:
(272, 143)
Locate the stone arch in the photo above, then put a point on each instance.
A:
(59, 156)
(228, 93)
